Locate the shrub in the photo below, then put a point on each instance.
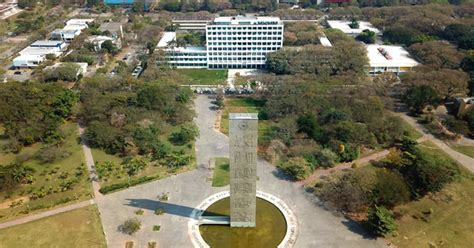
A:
(298, 167)
(139, 212)
(428, 173)
(49, 154)
(380, 221)
(390, 189)
(186, 134)
(156, 228)
(131, 226)
(160, 211)
(348, 192)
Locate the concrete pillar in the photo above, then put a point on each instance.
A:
(243, 134)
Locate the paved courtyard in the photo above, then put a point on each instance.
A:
(317, 227)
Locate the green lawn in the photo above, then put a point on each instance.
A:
(76, 228)
(220, 176)
(467, 150)
(47, 178)
(409, 131)
(153, 169)
(204, 76)
(244, 105)
(450, 224)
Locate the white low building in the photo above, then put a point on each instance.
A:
(65, 34)
(384, 58)
(98, 40)
(182, 57)
(345, 28)
(28, 61)
(79, 21)
(36, 53)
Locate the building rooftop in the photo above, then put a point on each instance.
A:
(79, 21)
(39, 51)
(396, 56)
(65, 31)
(166, 39)
(97, 38)
(110, 26)
(29, 57)
(344, 26)
(245, 20)
(47, 43)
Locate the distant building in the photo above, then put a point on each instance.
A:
(65, 35)
(114, 28)
(36, 53)
(72, 29)
(231, 42)
(383, 58)
(59, 45)
(28, 61)
(98, 40)
(345, 28)
(463, 105)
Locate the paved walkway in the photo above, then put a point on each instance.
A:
(38, 216)
(464, 160)
(318, 227)
(90, 165)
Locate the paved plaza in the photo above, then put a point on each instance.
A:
(317, 226)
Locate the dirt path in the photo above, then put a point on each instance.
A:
(309, 181)
(90, 165)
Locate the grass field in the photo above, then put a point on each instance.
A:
(118, 174)
(47, 178)
(204, 76)
(466, 150)
(76, 228)
(244, 105)
(409, 131)
(220, 177)
(452, 222)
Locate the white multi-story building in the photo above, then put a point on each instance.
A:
(242, 42)
(231, 42)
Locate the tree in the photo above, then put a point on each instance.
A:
(354, 24)
(186, 133)
(426, 173)
(400, 35)
(367, 36)
(134, 165)
(66, 72)
(381, 221)
(298, 167)
(131, 226)
(446, 82)
(438, 54)
(33, 112)
(110, 47)
(348, 192)
(420, 96)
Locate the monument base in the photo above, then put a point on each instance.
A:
(276, 225)
(242, 224)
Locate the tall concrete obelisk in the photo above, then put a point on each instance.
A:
(243, 134)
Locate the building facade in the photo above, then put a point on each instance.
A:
(231, 43)
(242, 42)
